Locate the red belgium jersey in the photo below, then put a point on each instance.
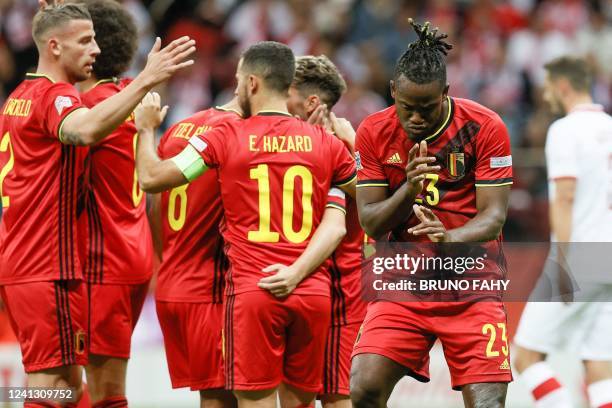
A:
(345, 271)
(275, 174)
(472, 147)
(118, 237)
(38, 183)
(194, 261)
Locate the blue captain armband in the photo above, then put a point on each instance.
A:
(190, 163)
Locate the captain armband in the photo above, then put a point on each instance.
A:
(190, 163)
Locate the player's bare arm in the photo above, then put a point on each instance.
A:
(89, 126)
(379, 213)
(324, 241)
(154, 215)
(156, 175)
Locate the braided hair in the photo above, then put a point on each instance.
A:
(424, 60)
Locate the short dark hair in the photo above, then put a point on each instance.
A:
(319, 75)
(116, 35)
(575, 70)
(53, 16)
(425, 59)
(273, 62)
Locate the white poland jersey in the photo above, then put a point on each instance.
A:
(579, 146)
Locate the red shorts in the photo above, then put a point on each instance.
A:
(50, 322)
(337, 366)
(114, 310)
(270, 340)
(193, 342)
(473, 336)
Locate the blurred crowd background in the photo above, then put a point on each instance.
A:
(499, 48)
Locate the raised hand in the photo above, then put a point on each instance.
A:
(430, 224)
(149, 114)
(418, 166)
(320, 117)
(343, 130)
(162, 63)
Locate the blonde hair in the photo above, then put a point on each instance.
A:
(55, 16)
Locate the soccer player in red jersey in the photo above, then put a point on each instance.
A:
(452, 157)
(317, 82)
(275, 172)
(41, 121)
(190, 283)
(118, 253)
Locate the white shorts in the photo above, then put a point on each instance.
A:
(583, 327)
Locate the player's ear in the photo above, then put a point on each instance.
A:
(392, 88)
(446, 88)
(312, 102)
(253, 84)
(54, 46)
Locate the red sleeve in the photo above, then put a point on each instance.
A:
(60, 100)
(493, 157)
(336, 199)
(369, 169)
(343, 163)
(212, 144)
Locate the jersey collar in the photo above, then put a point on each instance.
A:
(273, 113)
(588, 107)
(221, 108)
(446, 123)
(33, 75)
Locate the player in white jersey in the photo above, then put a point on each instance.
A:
(579, 162)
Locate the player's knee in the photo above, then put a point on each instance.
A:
(524, 358)
(365, 390)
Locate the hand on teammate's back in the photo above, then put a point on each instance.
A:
(149, 114)
(162, 63)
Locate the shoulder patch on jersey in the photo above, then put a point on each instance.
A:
(358, 161)
(62, 102)
(497, 162)
(198, 143)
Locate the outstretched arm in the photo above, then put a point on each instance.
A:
(89, 126)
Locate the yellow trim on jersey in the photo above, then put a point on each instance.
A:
(494, 185)
(336, 206)
(373, 185)
(274, 111)
(35, 75)
(448, 116)
(346, 182)
(221, 108)
(104, 81)
(61, 125)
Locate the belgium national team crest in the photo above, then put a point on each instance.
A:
(456, 164)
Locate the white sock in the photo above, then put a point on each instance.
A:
(546, 390)
(600, 394)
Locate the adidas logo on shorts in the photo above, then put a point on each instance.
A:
(505, 365)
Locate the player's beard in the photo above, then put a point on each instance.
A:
(245, 105)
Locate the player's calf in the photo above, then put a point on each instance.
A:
(484, 395)
(256, 399)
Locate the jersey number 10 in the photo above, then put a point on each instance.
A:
(264, 233)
